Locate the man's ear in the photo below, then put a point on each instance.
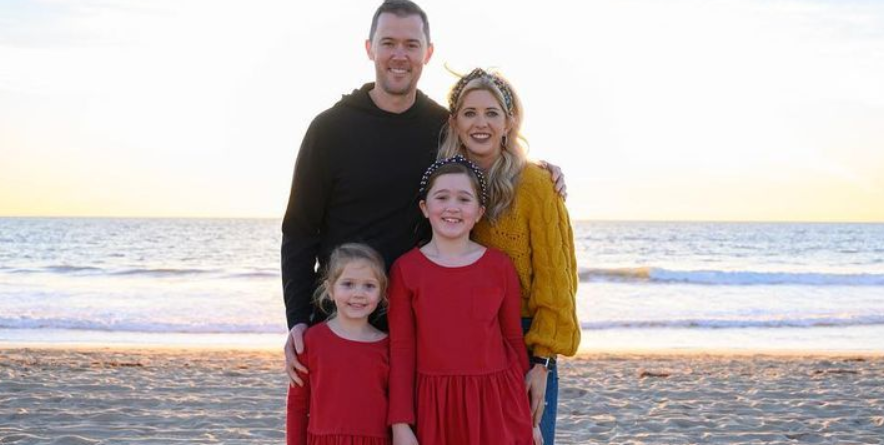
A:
(368, 49)
(429, 53)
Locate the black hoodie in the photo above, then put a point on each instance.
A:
(356, 180)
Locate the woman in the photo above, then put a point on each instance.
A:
(525, 219)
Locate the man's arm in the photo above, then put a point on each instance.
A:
(301, 228)
(301, 237)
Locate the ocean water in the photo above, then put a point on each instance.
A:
(742, 286)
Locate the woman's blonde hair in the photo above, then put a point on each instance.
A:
(503, 176)
(337, 262)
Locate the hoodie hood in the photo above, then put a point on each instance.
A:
(360, 100)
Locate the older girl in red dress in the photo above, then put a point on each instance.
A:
(458, 358)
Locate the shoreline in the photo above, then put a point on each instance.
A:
(864, 340)
(623, 353)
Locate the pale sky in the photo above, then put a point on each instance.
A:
(676, 110)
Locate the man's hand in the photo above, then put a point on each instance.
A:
(535, 383)
(557, 176)
(403, 435)
(294, 345)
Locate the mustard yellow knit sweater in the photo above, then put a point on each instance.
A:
(536, 234)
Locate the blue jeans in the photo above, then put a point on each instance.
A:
(548, 421)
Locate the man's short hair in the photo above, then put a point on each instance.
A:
(402, 8)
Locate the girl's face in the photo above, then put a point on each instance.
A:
(357, 291)
(452, 206)
(481, 124)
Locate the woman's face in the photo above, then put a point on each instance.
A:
(481, 124)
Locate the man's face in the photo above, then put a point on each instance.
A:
(399, 50)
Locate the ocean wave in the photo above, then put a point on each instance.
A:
(806, 322)
(60, 269)
(139, 326)
(725, 277)
(255, 274)
(158, 272)
(91, 271)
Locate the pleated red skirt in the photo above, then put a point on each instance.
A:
(473, 409)
(343, 439)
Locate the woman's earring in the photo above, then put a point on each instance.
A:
(503, 141)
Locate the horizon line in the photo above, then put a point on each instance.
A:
(589, 220)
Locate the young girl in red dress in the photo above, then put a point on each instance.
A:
(344, 397)
(458, 358)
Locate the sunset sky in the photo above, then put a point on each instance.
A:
(679, 110)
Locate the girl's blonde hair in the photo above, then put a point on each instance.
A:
(337, 262)
(503, 176)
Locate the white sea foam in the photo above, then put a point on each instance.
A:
(730, 277)
(187, 326)
(800, 322)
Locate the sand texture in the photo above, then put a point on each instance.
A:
(149, 396)
(722, 400)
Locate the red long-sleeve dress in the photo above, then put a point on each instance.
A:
(344, 397)
(458, 358)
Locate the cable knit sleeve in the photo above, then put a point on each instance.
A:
(553, 287)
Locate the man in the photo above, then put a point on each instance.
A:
(359, 166)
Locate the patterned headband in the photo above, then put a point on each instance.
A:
(458, 159)
(476, 74)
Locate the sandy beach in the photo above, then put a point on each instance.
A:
(158, 396)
